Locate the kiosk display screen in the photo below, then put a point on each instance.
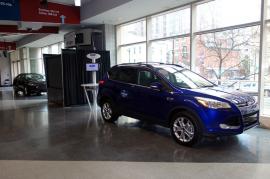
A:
(92, 67)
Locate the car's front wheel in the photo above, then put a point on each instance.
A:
(185, 129)
(108, 111)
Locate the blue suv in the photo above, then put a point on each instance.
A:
(175, 97)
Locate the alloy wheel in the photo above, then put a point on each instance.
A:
(183, 129)
(107, 111)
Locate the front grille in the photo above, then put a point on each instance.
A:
(247, 103)
(233, 121)
(250, 119)
(243, 102)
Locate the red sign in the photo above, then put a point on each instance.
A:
(33, 11)
(7, 46)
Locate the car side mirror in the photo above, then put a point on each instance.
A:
(156, 86)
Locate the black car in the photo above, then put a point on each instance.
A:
(29, 83)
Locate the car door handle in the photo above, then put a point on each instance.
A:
(169, 99)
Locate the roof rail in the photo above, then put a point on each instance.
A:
(149, 64)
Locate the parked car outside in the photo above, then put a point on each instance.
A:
(175, 97)
(29, 84)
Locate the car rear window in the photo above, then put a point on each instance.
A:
(124, 74)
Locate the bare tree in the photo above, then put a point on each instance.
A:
(221, 46)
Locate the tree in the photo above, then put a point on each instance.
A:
(222, 46)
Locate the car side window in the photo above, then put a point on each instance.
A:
(113, 74)
(126, 75)
(20, 77)
(146, 78)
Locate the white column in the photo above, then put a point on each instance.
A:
(193, 24)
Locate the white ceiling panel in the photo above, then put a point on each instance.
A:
(133, 10)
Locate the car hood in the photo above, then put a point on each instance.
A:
(236, 97)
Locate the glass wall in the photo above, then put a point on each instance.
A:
(30, 60)
(266, 75)
(133, 53)
(212, 38)
(132, 33)
(224, 13)
(170, 24)
(230, 58)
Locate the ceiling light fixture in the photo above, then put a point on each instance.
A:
(77, 2)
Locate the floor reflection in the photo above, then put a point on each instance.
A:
(31, 130)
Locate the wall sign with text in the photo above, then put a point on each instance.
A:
(9, 10)
(33, 11)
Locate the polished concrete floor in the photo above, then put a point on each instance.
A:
(30, 130)
(131, 170)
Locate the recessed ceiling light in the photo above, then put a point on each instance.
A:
(77, 2)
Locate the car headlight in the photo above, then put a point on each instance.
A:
(212, 103)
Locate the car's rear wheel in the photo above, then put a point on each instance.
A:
(185, 129)
(108, 111)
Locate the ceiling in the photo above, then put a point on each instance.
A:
(69, 2)
(123, 13)
(11, 37)
(133, 10)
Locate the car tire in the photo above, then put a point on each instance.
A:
(186, 129)
(16, 92)
(108, 111)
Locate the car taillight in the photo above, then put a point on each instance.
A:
(101, 82)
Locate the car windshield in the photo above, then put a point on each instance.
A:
(34, 77)
(184, 78)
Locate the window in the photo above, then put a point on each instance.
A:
(146, 78)
(173, 51)
(266, 77)
(113, 74)
(184, 78)
(127, 75)
(233, 64)
(45, 50)
(132, 33)
(222, 13)
(35, 77)
(181, 53)
(161, 51)
(132, 54)
(184, 52)
(170, 24)
(55, 49)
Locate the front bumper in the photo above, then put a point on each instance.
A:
(232, 122)
(37, 89)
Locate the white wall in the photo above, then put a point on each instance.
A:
(5, 72)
